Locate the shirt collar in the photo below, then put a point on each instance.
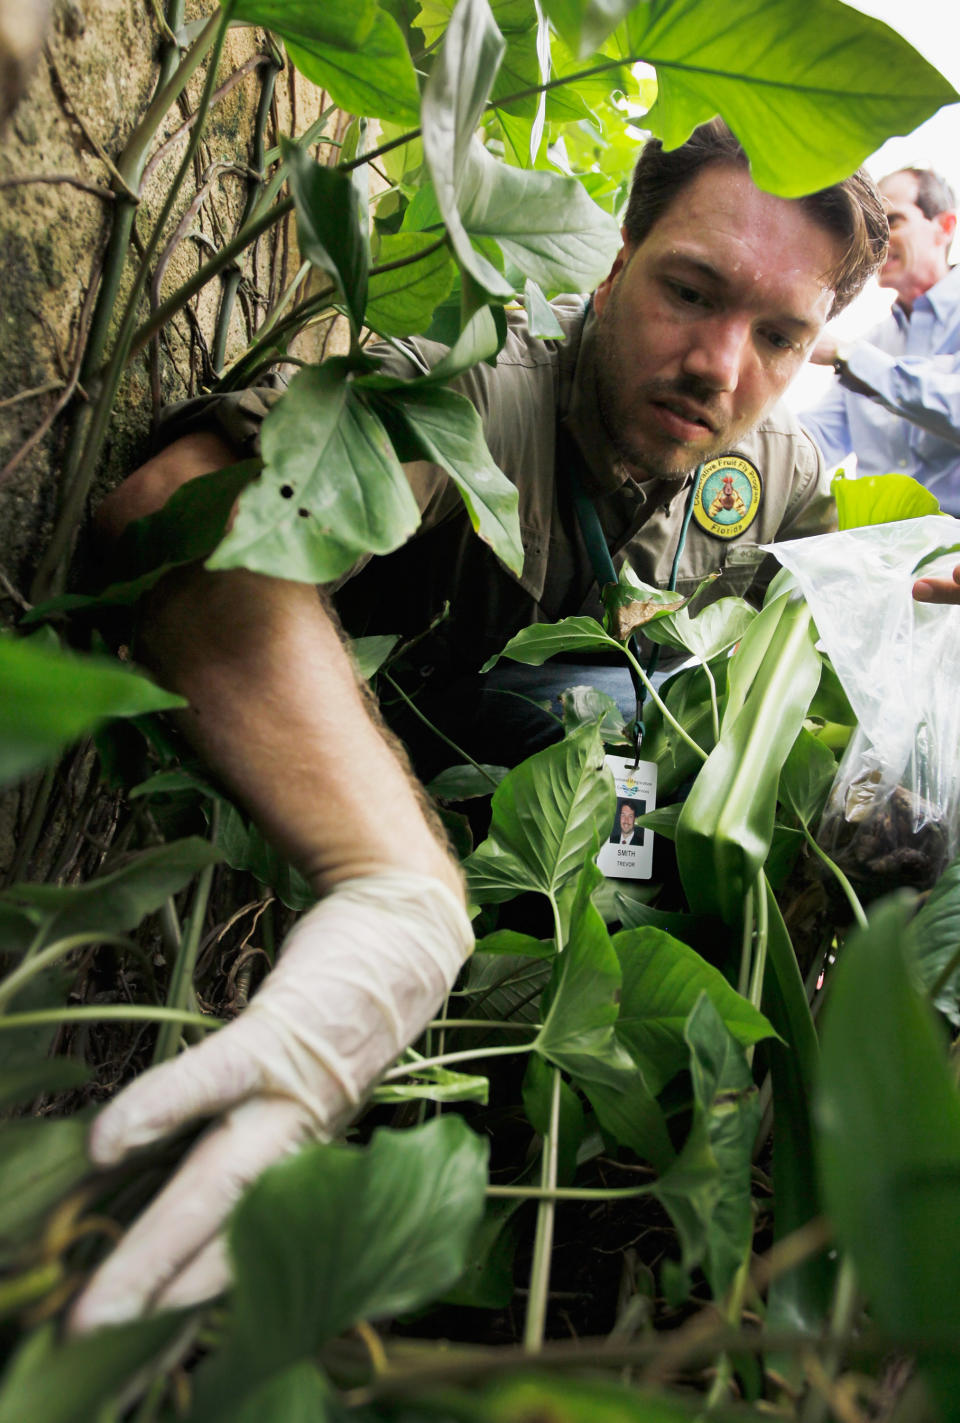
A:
(944, 295)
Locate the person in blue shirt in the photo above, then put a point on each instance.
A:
(895, 402)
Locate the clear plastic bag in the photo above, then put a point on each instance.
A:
(892, 814)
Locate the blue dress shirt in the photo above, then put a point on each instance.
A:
(912, 364)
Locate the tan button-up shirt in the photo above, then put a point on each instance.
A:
(519, 402)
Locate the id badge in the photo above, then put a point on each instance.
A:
(628, 853)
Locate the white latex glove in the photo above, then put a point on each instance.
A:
(357, 980)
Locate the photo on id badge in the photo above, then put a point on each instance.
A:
(628, 853)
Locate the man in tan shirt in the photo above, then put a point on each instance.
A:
(711, 307)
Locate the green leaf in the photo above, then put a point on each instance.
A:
(546, 224)
(567, 1399)
(726, 824)
(585, 24)
(935, 940)
(663, 820)
(20, 1084)
(487, 1282)
(547, 816)
(347, 24)
(41, 1159)
(116, 902)
(434, 1084)
(338, 1234)
(52, 698)
(534, 644)
(433, 423)
(466, 782)
(297, 1395)
(880, 499)
(243, 847)
(352, 49)
(804, 84)
(370, 653)
(889, 1121)
(662, 982)
(578, 1033)
(505, 984)
(807, 776)
(933, 556)
(328, 227)
(715, 628)
(541, 320)
(707, 1191)
(583, 705)
(798, 1299)
(63, 1383)
(327, 455)
(402, 302)
(453, 102)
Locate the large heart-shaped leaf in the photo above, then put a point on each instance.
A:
(547, 817)
(332, 487)
(353, 49)
(889, 1120)
(804, 84)
(662, 981)
(807, 776)
(51, 698)
(338, 1234)
(881, 499)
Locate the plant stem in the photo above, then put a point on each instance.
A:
(543, 1241)
(181, 979)
(404, 1069)
(117, 1013)
(746, 944)
(844, 883)
(655, 697)
(91, 432)
(817, 1409)
(567, 1193)
(759, 949)
(31, 967)
(714, 709)
(731, 1311)
(436, 730)
(487, 1023)
(944, 976)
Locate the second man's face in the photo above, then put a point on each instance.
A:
(704, 324)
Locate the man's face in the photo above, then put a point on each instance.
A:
(918, 245)
(627, 817)
(704, 324)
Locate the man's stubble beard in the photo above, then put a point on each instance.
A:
(642, 461)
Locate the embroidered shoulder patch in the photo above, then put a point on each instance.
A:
(728, 496)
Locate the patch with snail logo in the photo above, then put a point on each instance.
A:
(728, 495)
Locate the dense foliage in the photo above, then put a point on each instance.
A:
(604, 1086)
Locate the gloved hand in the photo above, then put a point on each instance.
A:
(358, 979)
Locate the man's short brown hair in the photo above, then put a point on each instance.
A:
(852, 210)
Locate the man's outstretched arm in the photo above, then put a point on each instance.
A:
(277, 712)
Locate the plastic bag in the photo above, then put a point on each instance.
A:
(892, 814)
